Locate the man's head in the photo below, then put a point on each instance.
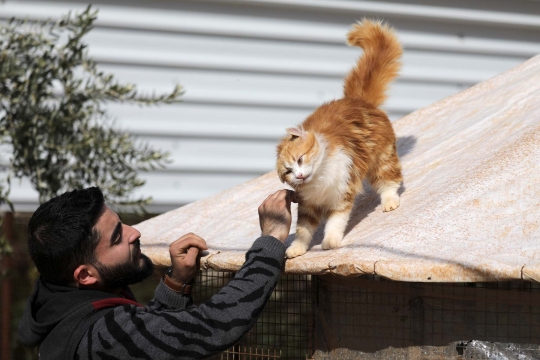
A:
(75, 239)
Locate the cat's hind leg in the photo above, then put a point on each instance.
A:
(389, 196)
(305, 228)
(386, 179)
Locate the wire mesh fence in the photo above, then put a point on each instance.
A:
(321, 316)
(284, 329)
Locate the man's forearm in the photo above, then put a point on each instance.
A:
(236, 308)
(192, 332)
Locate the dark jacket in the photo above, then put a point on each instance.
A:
(56, 316)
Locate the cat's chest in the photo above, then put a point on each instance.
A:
(330, 182)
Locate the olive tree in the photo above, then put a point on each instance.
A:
(53, 118)
(54, 126)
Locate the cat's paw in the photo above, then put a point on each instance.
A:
(330, 242)
(390, 203)
(295, 249)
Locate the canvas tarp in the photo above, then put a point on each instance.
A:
(470, 201)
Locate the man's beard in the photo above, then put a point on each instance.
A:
(135, 270)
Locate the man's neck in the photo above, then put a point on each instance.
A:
(98, 287)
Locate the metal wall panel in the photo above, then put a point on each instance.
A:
(250, 68)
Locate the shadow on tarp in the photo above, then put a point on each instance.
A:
(405, 144)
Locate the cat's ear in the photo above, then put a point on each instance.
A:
(297, 131)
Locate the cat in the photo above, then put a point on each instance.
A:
(343, 142)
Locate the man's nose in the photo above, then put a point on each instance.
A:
(133, 234)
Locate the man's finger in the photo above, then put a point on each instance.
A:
(191, 257)
(183, 245)
(291, 196)
(188, 235)
(190, 243)
(277, 196)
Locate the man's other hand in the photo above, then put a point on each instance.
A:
(275, 214)
(185, 257)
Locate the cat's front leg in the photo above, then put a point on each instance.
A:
(335, 227)
(305, 228)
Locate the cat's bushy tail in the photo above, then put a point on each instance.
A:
(379, 64)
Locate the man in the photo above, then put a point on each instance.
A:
(82, 308)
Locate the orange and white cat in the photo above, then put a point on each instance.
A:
(343, 142)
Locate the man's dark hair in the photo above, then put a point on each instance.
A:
(61, 234)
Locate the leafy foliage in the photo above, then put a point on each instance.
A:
(53, 118)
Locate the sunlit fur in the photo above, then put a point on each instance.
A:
(343, 142)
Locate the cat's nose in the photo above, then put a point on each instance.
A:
(300, 176)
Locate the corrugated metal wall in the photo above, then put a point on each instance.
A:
(250, 68)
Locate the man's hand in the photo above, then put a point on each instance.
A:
(275, 214)
(185, 257)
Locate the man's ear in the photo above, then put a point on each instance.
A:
(85, 275)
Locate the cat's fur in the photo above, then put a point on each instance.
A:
(343, 142)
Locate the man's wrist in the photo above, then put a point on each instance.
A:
(280, 235)
(183, 288)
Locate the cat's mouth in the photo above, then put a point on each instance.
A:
(299, 181)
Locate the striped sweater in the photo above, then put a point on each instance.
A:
(171, 327)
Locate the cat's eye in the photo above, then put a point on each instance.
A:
(301, 160)
(288, 171)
